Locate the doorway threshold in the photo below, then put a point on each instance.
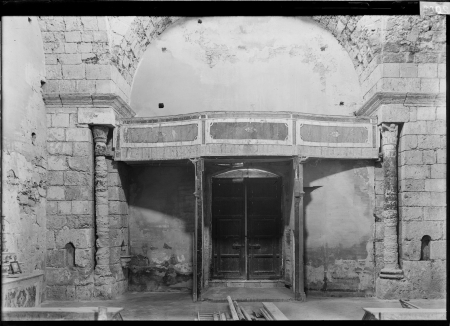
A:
(246, 283)
(245, 294)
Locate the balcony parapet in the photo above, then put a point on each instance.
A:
(245, 134)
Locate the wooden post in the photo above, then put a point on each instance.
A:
(198, 229)
(194, 260)
(299, 286)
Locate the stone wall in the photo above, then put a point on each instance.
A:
(77, 56)
(24, 154)
(422, 200)
(118, 185)
(412, 56)
(70, 206)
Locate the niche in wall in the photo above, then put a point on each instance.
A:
(425, 248)
(70, 255)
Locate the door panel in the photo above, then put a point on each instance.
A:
(263, 214)
(264, 217)
(228, 209)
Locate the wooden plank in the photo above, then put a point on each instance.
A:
(404, 314)
(265, 314)
(232, 309)
(274, 312)
(238, 310)
(408, 305)
(245, 313)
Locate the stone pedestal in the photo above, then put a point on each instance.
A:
(390, 289)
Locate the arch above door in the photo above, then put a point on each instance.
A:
(246, 173)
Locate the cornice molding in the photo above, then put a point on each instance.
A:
(121, 108)
(372, 105)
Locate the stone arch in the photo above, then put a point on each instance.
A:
(101, 54)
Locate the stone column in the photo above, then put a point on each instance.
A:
(391, 268)
(102, 277)
(299, 277)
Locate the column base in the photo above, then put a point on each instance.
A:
(390, 289)
(301, 296)
(387, 273)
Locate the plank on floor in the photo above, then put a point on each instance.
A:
(274, 312)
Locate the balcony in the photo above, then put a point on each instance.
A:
(219, 134)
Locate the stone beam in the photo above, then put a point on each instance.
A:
(90, 100)
(97, 116)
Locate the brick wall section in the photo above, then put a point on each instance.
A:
(70, 206)
(422, 199)
(118, 221)
(77, 56)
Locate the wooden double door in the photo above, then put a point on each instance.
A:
(247, 218)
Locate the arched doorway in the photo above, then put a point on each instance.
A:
(246, 223)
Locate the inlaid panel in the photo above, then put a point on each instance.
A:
(248, 131)
(162, 134)
(334, 134)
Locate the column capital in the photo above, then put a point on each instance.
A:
(389, 133)
(100, 133)
(100, 136)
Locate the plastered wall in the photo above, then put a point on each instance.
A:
(162, 208)
(339, 200)
(245, 64)
(24, 153)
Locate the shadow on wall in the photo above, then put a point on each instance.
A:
(162, 206)
(338, 201)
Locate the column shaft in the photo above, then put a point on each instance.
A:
(102, 268)
(390, 207)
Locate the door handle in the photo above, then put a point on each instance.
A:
(236, 246)
(256, 246)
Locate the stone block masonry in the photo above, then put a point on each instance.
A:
(70, 207)
(422, 196)
(77, 57)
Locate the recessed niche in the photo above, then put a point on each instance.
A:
(425, 248)
(33, 138)
(70, 255)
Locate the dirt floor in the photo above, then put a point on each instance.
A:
(179, 306)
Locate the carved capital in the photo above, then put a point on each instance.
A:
(389, 132)
(100, 133)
